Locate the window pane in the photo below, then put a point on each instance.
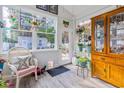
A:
(13, 20)
(45, 41)
(50, 25)
(26, 20)
(16, 39)
(41, 21)
(10, 17)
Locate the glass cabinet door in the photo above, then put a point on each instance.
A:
(116, 31)
(99, 35)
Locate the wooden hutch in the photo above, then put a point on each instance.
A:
(108, 47)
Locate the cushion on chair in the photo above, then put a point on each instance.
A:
(18, 61)
(26, 71)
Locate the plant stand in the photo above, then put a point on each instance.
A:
(82, 65)
(82, 70)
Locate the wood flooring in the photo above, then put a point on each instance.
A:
(68, 79)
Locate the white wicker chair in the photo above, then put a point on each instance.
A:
(32, 66)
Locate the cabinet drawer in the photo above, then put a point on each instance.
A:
(110, 60)
(120, 62)
(97, 57)
(103, 58)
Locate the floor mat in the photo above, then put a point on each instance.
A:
(56, 71)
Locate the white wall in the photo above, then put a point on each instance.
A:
(92, 14)
(54, 55)
(95, 13)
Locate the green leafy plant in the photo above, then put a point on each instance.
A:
(3, 84)
(80, 45)
(50, 29)
(80, 29)
(66, 23)
(81, 59)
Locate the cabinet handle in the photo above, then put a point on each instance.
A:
(104, 70)
(103, 58)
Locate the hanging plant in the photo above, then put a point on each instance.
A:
(80, 29)
(80, 45)
(66, 23)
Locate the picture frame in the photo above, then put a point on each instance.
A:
(53, 9)
(43, 7)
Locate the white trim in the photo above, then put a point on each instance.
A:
(34, 33)
(41, 50)
(33, 10)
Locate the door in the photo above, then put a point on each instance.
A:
(99, 69)
(116, 75)
(99, 34)
(116, 32)
(66, 48)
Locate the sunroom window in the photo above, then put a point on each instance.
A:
(13, 38)
(23, 29)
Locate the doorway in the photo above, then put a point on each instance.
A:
(65, 50)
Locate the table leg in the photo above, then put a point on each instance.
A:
(77, 70)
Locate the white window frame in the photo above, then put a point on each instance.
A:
(34, 33)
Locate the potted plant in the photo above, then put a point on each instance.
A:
(82, 62)
(80, 45)
(89, 44)
(3, 84)
(80, 29)
(34, 24)
(66, 23)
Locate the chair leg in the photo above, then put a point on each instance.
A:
(36, 74)
(17, 82)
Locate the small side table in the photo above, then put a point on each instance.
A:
(83, 66)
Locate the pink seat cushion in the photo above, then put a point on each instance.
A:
(26, 71)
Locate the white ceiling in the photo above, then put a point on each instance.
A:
(80, 11)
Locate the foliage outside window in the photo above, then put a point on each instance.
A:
(20, 27)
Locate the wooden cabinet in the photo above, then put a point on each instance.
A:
(99, 33)
(99, 69)
(108, 47)
(116, 75)
(115, 32)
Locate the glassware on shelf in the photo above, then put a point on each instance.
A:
(117, 33)
(99, 35)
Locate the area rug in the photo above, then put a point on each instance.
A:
(56, 71)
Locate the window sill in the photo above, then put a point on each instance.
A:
(43, 50)
(33, 51)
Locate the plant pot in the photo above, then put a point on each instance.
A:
(81, 48)
(1, 66)
(82, 64)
